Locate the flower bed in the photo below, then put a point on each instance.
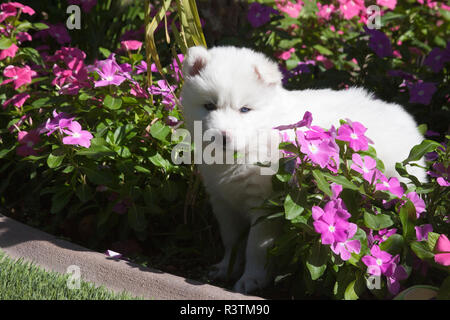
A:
(86, 125)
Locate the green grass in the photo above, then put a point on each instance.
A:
(21, 280)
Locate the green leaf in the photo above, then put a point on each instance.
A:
(112, 103)
(5, 43)
(444, 290)
(355, 288)
(394, 244)
(96, 152)
(377, 222)
(407, 217)
(421, 250)
(54, 161)
(343, 181)
(432, 239)
(40, 26)
(418, 151)
(322, 184)
(317, 260)
(159, 161)
(60, 200)
(84, 192)
(159, 131)
(99, 177)
(323, 50)
(292, 209)
(4, 152)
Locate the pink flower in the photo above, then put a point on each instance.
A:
(382, 235)
(24, 36)
(10, 52)
(9, 9)
(18, 100)
(351, 8)
(59, 122)
(345, 248)
(305, 122)
(327, 63)
(354, 134)
(422, 232)
(175, 67)
(391, 4)
(366, 167)
(131, 45)
(419, 204)
(442, 250)
(422, 92)
(379, 262)
(392, 185)
(19, 76)
(285, 55)
(399, 273)
(290, 8)
(110, 73)
(329, 225)
(319, 150)
(27, 141)
(77, 136)
(325, 10)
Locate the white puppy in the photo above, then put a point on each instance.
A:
(239, 93)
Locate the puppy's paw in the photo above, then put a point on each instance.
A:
(219, 271)
(250, 282)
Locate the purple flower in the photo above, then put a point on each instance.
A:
(379, 43)
(59, 122)
(110, 72)
(77, 136)
(166, 91)
(345, 248)
(441, 173)
(305, 122)
(392, 185)
(367, 167)
(259, 14)
(422, 232)
(397, 275)
(379, 262)
(419, 204)
(436, 59)
(382, 235)
(354, 134)
(422, 92)
(329, 225)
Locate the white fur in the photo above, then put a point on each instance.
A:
(231, 78)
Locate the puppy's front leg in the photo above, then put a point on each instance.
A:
(232, 226)
(260, 239)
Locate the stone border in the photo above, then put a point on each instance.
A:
(18, 240)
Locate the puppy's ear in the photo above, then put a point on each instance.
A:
(196, 59)
(267, 72)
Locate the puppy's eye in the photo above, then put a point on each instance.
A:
(244, 109)
(210, 106)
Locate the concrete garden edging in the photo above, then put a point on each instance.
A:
(18, 240)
